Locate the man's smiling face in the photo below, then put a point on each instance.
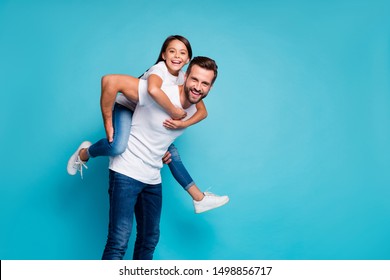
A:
(198, 84)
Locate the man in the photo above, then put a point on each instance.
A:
(135, 179)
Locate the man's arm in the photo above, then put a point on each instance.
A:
(111, 85)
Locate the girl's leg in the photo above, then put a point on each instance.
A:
(202, 201)
(121, 121)
(182, 176)
(178, 169)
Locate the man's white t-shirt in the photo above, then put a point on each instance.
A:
(149, 139)
(160, 69)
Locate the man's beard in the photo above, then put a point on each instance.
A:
(188, 94)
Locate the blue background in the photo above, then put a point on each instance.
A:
(297, 134)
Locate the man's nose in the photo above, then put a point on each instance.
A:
(197, 86)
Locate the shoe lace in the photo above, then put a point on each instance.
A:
(209, 193)
(79, 164)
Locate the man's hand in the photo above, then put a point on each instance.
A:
(109, 132)
(178, 114)
(174, 124)
(167, 158)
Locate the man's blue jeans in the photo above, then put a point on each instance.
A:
(129, 197)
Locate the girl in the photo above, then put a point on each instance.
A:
(175, 53)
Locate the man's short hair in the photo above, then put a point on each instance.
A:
(206, 63)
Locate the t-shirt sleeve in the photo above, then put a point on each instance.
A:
(156, 70)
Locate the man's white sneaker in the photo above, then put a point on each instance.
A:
(210, 201)
(75, 163)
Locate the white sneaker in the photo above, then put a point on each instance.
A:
(210, 201)
(75, 163)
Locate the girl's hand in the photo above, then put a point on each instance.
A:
(178, 114)
(173, 124)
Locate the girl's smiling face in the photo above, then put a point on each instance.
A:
(175, 56)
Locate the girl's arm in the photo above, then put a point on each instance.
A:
(155, 91)
(201, 114)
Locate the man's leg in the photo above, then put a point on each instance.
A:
(147, 213)
(123, 192)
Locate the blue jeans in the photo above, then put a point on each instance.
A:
(129, 197)
(178, 169)
(121, 118)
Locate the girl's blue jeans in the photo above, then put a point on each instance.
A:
(121, 118)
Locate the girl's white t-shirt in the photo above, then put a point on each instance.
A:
(160, 69)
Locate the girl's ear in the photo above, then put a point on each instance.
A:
(163, 56)
(188, 60)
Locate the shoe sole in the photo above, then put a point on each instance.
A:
(69, 168)
(217, 206)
